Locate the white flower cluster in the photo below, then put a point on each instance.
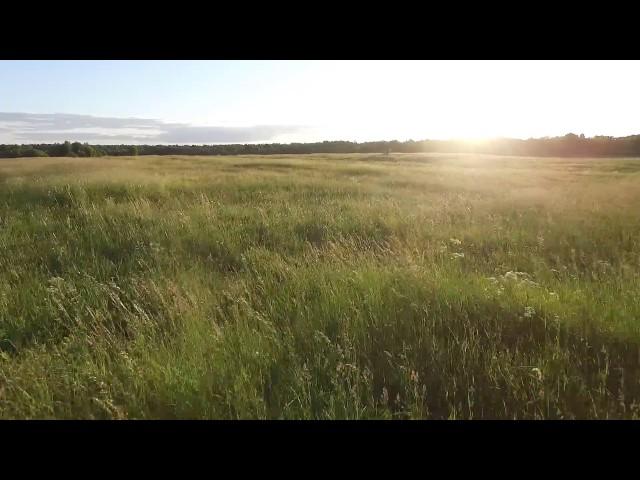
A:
(520, 278)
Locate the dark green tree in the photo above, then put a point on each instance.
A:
(66, 150)
(32, 152)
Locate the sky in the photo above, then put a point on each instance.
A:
(196, 102)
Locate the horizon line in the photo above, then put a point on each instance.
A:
(453, 139)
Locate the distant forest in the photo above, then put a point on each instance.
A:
(568, 145)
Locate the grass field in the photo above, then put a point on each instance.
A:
(320, 287)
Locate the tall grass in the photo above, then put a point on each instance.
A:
(320, 287)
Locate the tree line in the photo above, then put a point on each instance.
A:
(66, 149)
(567, 145)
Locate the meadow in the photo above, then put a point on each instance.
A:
(402, 286)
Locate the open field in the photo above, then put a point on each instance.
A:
(320, 287)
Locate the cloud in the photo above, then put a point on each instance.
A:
(187, 134)
(58, 127)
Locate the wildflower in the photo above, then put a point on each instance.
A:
(521, 278)
(537, 372)
(414, 376)
(510, 276)
(529, 312)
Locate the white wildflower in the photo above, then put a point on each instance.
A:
(529, 312)
(510, 276)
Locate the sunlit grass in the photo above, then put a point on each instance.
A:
(321, 286)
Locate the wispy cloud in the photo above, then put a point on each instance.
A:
(58, 127)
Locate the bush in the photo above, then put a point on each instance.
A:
(33, 152)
